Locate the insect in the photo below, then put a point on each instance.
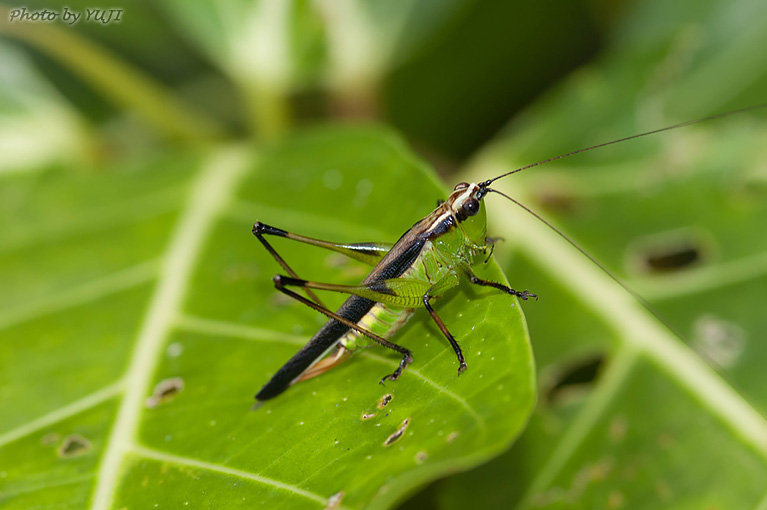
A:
(432, 257)
(427, 261)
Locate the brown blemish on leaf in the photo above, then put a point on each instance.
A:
(421, 457)
(587, 475)
(600, 470)
(398, 433)
(335, 500)
(547, 498)
(73, 446)
(662, 490)
(451, 437)
(367, 416)
(615, 500)
(618, 429)
(665, 441)
(384, 401)
(557, 200)
(164, 391)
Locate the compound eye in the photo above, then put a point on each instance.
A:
(471, 207)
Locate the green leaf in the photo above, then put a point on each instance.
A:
(287, 43)
(273, 48)
(121, 82)
(633, 414)
(140, 320)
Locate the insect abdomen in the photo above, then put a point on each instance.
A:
(382, 320)
(354, 308)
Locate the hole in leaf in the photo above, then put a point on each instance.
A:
(671, 260)
(164, 391)
(398, 433)
(384, 401)
(575, 376)
(669, 252)
(74, 445)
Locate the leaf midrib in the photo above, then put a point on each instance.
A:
(636, 327)
(639, 331)
(213, 187)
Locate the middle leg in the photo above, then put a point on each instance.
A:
(441, 325)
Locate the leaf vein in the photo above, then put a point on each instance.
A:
(69, 410)
(207, 466)
(634, 325)
(85, 293)
(213, 186)
(201, 325)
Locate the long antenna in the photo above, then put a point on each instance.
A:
(578, 247)
(654, 131)
(585, 253)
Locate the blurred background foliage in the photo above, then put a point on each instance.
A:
(448, 75)
(478, 88)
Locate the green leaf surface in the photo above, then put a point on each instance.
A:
(635, 414)
(123, 282)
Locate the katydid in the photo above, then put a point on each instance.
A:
(432, 257)
(427, 261)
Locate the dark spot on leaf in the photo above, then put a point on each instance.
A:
(672, 260)
(164, 391)
(669, 252)
(577, 375)
(367, 416)
(74, 445)
(557, 200)
(384, 401)
(398, 433)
